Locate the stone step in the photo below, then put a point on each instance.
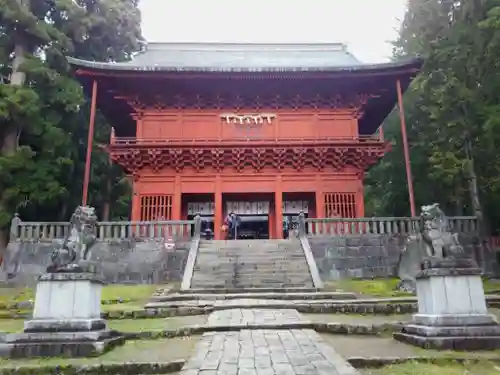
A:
(249, 263)
(254, 280)
(255, 295)
(247, 303)
(253, 267)
(247, 290)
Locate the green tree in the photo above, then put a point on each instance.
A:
(452, 111)
(43, 114)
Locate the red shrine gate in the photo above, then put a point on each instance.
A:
(260, 139)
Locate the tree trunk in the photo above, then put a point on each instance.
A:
(64, 211)
(106, 207)
(10, 142)
(17, 78)
(472, 178)
(475, 202)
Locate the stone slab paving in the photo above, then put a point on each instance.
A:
(263, 351)
(253, 316)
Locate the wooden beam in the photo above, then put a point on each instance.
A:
(90, 139)
(409, 177)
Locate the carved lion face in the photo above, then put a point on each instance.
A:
(431, 211)
(84, 217)
(434, 217)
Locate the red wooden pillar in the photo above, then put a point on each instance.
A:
(360, 198)
(136, 203)
(320, 204)
(278, 208)
(90, 139)
(406, 150)
(218, 210)
(177, 199)
(320, 208)
(272, 222)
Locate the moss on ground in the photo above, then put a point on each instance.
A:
(384, 288)
(414, 368)
(372, 288)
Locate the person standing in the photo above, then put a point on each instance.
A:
(236, 220)
(228, 224)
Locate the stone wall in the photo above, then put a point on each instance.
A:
(131, 260)
(376, 255)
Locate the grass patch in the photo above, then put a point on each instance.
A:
(129, 292)
(130, 306)
(491, 286)
(144, 325)
(372, 288)
(124, 325)
(415, 368)
(11, 296)
(386, 288)
(132, 351)
(133, 295)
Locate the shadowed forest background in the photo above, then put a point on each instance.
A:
(452, 110)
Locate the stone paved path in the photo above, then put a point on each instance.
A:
(264, 351)
(254, 316)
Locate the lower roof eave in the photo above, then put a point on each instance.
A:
(379, 144)
(90, 67)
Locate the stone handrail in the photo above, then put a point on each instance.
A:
(193, 253)
(106, 230)
(308, 254)
(381, 225)
(144, 229)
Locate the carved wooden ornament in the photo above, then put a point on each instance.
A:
(248, 119)
(248, 158)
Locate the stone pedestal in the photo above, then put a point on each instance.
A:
(66, 320)
(452, 312)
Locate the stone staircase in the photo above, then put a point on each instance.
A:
(245, 264)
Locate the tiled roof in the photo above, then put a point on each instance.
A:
(221, 57)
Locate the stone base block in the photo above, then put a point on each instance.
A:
(483, 336)
(59, 344)
(452, 331)
(450, 343)
(440, 320)
(68, 296)
(61, 325)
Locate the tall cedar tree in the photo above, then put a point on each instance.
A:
(452, 113)
(43, 113)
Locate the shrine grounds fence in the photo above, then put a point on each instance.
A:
(106, 230)
(382, 225)
(312, 227)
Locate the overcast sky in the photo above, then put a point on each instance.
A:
(366, 26)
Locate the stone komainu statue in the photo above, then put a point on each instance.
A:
(433, 246)
(436, 234)
(77, 244)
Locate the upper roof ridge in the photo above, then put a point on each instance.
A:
(220, 46)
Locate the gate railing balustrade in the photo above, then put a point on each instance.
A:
(380, 225)
(110, 230)
(106, 230)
